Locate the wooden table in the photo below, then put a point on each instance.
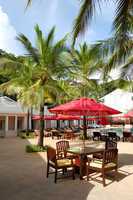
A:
(82, 152)
(57, 134)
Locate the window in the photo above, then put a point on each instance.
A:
(2, 123)
(20, 123)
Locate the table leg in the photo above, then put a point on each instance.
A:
(83, 160)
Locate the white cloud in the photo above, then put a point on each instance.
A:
(7, 34)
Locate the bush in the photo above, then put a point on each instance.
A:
(30, 148)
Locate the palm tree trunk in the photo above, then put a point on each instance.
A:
(40, 140)
(58, 124)
(32, 122)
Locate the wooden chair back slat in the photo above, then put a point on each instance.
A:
(61, 147)
(110, 156)
(109, 144)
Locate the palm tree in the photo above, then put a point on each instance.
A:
(37, 80)
(86, 63)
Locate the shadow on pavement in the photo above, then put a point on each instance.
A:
(23, 176)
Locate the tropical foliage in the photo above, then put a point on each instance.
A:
(35, 77)
(52, 73)
(122, 24)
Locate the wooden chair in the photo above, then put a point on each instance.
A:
(56, 133)
(96, 135)
(113, 136)
(69, 135)
(126, 136)
(108, 163)
(109, 144)
(58, 163)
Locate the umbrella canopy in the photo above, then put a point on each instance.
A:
(100, 120)
(84, 107)
(68, 117)
(46, 117)
(129, 114)
(56, 117)
(36, 117)
(50, 117)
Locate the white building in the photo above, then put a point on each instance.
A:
(13, 117)
(119, 99)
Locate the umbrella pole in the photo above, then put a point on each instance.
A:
(84, 127)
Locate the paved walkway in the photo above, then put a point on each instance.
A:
(22, 177)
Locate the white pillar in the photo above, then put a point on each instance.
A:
(25, 122)
(6, 124)
(16, 123)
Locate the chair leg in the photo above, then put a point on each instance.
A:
(116, 174)
(55, 180)
(47, 170)
(73, 173)
(87, 171)
(103, 175)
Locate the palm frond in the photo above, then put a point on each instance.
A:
(123, 23)
(28, 46)
(50, 37)
(28, 3)
(87, 11)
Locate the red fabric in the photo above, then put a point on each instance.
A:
(77, 162)
(56, 117)
(36, 117)
(84, 106)
(50, 117)
(104, 121)
(68, 117)
(129, 114)
(46, 117)
(100, 120)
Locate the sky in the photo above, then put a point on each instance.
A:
(48, 13)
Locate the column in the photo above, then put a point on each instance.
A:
(16, 123)
(25, 123)
(6, 124)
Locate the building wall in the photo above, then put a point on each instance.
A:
(10, 124)
(120, 100)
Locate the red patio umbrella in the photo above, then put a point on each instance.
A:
(85, 107)
(50, 117)
(129, 114)
(57, 117)
(101, 120)
(68, 117)
(36, 117)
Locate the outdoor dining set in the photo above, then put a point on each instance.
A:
(82, 160)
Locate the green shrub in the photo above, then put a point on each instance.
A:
(30, 148)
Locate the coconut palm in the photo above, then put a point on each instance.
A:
(86, 63)
(37, 80)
